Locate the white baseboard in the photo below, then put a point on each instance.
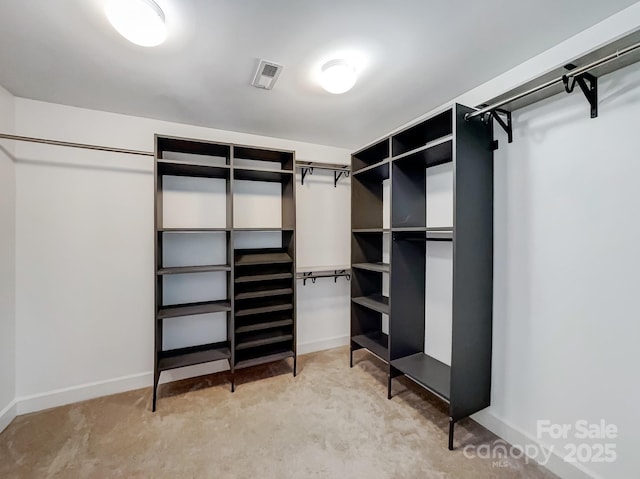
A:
(515, 436)
(8, 414)
(82, 392)
(323, 344)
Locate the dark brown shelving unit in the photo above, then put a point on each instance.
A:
(371, 167)
(443, 138)
(260, 303)
(264, 278)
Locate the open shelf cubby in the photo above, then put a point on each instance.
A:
(371, 155)
(422, 133)
(204, 193)
(441, 191)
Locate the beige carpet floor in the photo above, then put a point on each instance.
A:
(329, 422)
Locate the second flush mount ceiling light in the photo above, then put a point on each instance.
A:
(338, 76)
(139, 21)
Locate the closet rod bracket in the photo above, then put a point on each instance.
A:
(313, 275)
(505, 123)
(337, 175)
(587, 83)
(305, 172)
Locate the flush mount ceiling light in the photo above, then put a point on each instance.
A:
(338, 76)
(139, 21)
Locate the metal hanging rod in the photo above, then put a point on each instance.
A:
(75, 145)
(338, 170)
(576, 72)
(313, 275)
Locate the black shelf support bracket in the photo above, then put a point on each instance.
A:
(337, 175)
(339, 171)
(338, 273)
(306, 276)
(305, 172)
(587, 83)
(506, 124)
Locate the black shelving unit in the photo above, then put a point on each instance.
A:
(465, 383)
(265, 283)
(371, 167)
(260, 302)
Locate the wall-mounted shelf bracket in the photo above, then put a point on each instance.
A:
(307, 167)
(505, 123)
(306, 171)
(587, 83)
(313, 275)
(337, 175)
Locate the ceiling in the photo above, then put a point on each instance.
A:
(413, 55)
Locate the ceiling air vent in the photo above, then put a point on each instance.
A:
(267, 74)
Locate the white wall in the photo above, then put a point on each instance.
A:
(85, 252)
(323, 221)
(566, 268)
(566, 258)
(7, 262)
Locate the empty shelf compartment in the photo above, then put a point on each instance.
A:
(253, 278)
(179, 358)
(426, 371)
(264, 307)
(427, 156)
(377, 342)
(200, 171)
(266, 257)
(377, 267)
(284, 157)
(201, 148)
(376, 302)
(263, 354)
(262, 323)
(191, 309)
(422, 133)
(262, 174)
(264, 293)
(370, 155)
(373, 174)
(262, 338)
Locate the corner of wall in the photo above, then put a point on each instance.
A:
(7, 258)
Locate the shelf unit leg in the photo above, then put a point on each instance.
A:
(295, 365)
(233, 383)
(156, 379)
(389, 379)
(451, 426)
(351, 355)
